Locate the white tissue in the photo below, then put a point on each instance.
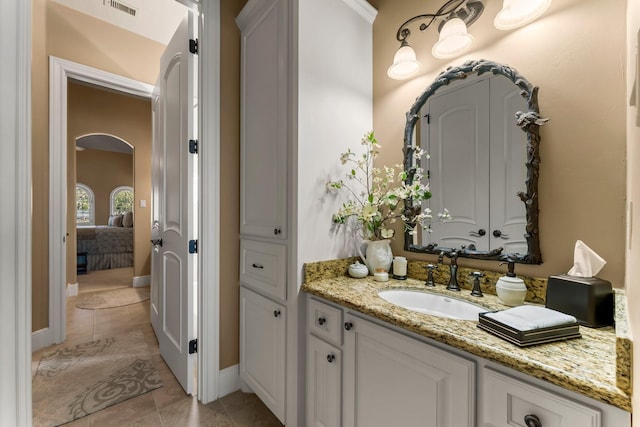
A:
(586, 263)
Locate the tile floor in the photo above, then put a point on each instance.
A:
(167, 406)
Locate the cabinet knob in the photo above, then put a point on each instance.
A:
(532, 421)
(321, 320)
(348, 326)
(277, 231)
(276, 313)
(331, 358)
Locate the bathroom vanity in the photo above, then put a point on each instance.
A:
(373, 363)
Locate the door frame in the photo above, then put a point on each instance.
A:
(15, 222)
(60, 71)
(208, 183)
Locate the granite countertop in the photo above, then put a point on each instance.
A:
(598, 365)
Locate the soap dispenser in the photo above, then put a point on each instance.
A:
(511, 289)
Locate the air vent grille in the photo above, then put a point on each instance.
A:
(121, 6)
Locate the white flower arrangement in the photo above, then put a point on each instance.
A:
(379, 195)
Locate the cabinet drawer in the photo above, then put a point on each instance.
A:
(262, 267)
(507, 401)
(324, 321)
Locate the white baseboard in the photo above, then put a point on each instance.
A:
(229, 380)
(72, 289)
(140, 281)
(41, 339)
(245, 387)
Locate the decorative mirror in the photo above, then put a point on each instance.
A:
(480, 123)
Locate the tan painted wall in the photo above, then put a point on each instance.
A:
(64, 33)
(92, 110)
(229, 178)
(103, 171)
(579, 68)
(633, 193)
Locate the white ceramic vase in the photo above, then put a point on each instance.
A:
(378, 255)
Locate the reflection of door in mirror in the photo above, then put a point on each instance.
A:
(477, 164)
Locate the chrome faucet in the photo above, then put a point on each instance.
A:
(453, 268)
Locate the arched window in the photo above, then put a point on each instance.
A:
(121, 200)
(85, 205)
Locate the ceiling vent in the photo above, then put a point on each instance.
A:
(120, 6)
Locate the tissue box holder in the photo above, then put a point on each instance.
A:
(589, 299)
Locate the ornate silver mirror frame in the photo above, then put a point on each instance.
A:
(529, 121)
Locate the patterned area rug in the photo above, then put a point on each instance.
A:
(112, 298)
(73, 382)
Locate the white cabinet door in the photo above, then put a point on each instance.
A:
(393, 380)
(264, 119)
(324, 389)
(262, 348)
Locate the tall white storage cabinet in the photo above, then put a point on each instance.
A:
(306, 89)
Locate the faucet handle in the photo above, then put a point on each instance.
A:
(430, 268)
(476, 291)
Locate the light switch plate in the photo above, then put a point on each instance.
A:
(143, 203)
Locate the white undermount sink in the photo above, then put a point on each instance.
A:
(433, 304)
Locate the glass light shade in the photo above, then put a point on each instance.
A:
(516, 13)
(404, 64)
(454, 39)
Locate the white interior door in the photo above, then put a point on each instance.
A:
(458, 136)
(174, 221)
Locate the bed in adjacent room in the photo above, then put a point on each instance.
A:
(107, 246)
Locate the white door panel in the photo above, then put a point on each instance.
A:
(173, 299)
(508, 167)
(458, 133)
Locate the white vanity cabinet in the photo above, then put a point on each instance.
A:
(264, 140)
(380, 377)
(391, 379)
(369, 373)
(262, 347)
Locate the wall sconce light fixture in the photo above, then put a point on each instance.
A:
(455, 17)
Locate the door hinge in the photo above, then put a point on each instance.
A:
(193, 246)
(193, 146)
(193, 46)
(193, 346)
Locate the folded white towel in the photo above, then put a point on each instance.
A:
(512, 321)
(528, 317)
